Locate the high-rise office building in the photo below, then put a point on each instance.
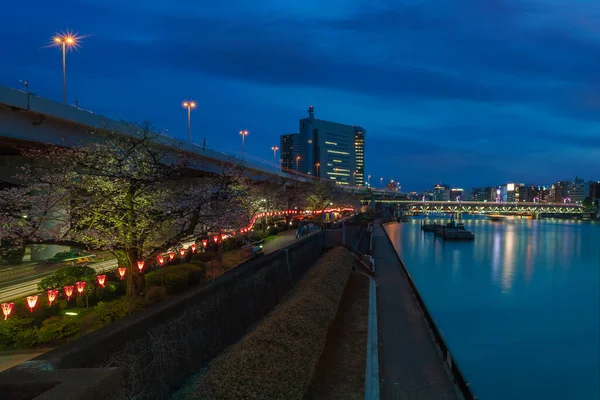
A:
(559, 193)
(456, 194)
(441, 192)
(290, 150)
(530, 193)
(576, 190)
(484, 194)
(359, 150)
(594, 190)
(329, 150)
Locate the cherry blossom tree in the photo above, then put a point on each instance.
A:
(121, 191)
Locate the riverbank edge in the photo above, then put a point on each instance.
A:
(456, 375)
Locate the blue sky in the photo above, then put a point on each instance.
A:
(466, 92)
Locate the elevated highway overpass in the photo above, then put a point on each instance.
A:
(30, 120)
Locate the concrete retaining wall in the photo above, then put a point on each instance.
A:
(159, 348)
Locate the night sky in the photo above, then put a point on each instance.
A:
(466, 92)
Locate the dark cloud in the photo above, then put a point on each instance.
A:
(460, 61)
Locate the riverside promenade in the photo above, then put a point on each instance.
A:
(410, 366)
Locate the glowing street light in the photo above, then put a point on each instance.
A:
(381, 181)
(244, 134)
(189, 105)
(275, 148)
(369, 180)
(317, 165)
(297, 161)
(65, 41)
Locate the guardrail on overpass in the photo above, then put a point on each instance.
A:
(27, 117)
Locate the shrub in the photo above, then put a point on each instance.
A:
(27, 339)
(11, 255)
(278, 359)
(204, 257)
(68, 276)
(58, 328)
(156, 294)
(108, 312)
(176, 278)
(10, 329)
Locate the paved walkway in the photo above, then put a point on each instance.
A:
(282, 240)
(410, 366)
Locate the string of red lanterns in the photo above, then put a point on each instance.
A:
(7, 309)
(52, 294)
(31, 302)
(69, 291)
(101, 279)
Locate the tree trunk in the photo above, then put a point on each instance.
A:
(136, 282)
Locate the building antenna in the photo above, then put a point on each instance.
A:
(311, 112)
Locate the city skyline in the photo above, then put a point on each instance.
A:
(434, 109)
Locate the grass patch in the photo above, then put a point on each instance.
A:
(279, 358)
(341, 370)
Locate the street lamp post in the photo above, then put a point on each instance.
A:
(65, 41)
(381, 181)
(354, 177)
(275, 148)
(369, 181)
(189, 105)
(297, 162)
(244, 134)
(317, 165)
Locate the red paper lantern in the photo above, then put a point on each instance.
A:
(7, 309)
(122, 271)
(101, 279)
(69, 291)
(31, 302)
(193, 247)
(140, 265)
(216, 239)
(52, 296)
(204, 243)
(171, 255)
(161, 259)
(80, 287)
(182, 251)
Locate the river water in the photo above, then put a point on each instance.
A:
(519, 306)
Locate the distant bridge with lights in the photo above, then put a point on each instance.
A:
(477, 207)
